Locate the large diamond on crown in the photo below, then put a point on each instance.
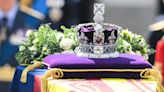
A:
(97, 40)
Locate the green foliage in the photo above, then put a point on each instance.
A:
(129, 42)
(43, 42)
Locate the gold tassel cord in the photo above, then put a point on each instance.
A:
(155, 75)
(54, 73)
(144, 73)
(36, 64)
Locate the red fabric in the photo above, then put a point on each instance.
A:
(159, 56)
(98, 85)
(37, 83)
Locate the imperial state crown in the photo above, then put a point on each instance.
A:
(98, 39)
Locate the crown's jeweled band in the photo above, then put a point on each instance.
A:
(97, 40)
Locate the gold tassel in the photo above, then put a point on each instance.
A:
(36, 64)
(155, 75)
(54, 73)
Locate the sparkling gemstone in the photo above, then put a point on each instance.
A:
(98, 50)
(99, 40)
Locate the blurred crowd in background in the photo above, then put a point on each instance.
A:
(16, 16)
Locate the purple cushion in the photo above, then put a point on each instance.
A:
(72, 61)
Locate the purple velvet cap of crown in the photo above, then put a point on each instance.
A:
(72, 61)
(88, 28)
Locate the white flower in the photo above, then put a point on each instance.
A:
(131, 52)
(66, 43)
(70, 35)
(126, 45)
(138, 53)
(48, 35)
(59, 35)
(22, 48)
(68, 52)
(33, 48)
(146, 57)
(35, 34)
(29, 32)
(35, 52)
(44, 48)
(127, 33)
(36, 40)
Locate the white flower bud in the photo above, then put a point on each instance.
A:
(29, 32)
(146, 57)
(35, 41)
(131, 52)
(35, 34)
(66, 43)
(21, 48)
(44, 48)
(138, 53)
(35, 52)
(59, 36)
(48, 35)
(33, 48)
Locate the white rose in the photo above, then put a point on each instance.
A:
(22, 48)
(33, 48)
(36, 40)
(66, 43)
(29, 32)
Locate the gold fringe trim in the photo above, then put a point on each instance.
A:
(36, 64)
(144, 73)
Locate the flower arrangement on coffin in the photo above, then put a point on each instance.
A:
(132, 43)
(45, 41)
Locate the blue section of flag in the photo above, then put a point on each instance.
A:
(17, 86)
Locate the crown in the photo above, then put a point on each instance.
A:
(98, 39)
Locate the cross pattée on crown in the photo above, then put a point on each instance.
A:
(99, 10)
